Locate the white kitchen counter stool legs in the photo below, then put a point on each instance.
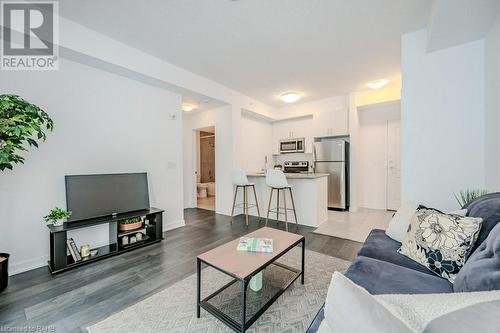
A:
(276, 180)
(240, 180)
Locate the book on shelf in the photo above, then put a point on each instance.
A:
(249, 244)
(73, 249)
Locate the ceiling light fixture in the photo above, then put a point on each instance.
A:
(290, 97)
(377, 84)
(187, 107)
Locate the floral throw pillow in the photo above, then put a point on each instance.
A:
(441, 242)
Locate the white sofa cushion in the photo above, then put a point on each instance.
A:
(350, 308)
(398, 226)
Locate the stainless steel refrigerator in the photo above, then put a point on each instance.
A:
(332, 157)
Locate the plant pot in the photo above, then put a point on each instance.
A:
(130, 226)
(4, 271)
(58, 223)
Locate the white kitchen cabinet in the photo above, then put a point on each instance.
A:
(331, 123)
(293, 129)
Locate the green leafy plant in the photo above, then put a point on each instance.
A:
(56, 214)
(278, 166)
(131, 220)
(21, 125)
(466, 196)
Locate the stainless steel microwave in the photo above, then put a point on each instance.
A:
(292, 146)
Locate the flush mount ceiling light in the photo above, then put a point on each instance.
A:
(290, 97)
(377, 84)
(188, 107)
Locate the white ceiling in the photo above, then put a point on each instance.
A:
(454, 22)
(264, 47)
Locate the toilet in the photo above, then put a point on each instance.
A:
(211, 189)
(202, 189)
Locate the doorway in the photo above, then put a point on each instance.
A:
(380, 155)
(393, 164)
(205, 171)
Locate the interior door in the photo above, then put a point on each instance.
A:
(393, 165)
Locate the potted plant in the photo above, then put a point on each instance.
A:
(22, 124)
(130, 224)
(278, 167)
(57, 216)
(4, 271)
(466, 196)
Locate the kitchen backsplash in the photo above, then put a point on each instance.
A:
(280, 159)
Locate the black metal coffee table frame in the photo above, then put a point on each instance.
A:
(244, 323)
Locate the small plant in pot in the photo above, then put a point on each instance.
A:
(278, 167)
(130, 224)
(57, 216)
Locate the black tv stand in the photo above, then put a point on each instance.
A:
(61, 261)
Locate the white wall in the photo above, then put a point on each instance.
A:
(442, 121)
(373, 152)
(492, 104)
(104, 123)
(256, 143)
(221, 118)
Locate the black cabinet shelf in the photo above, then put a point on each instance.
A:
(145, 239)
(61, 261)
(103, 251)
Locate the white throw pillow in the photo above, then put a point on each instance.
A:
(460, 212)
(398, 226)
(441, 242)
(350, 308)
(401, 220)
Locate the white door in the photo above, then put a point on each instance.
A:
(393, 165)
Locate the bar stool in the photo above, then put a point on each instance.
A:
(276, 180)
(240, 180)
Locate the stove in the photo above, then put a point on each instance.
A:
(296, 166)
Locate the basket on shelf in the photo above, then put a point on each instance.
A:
(130, 224)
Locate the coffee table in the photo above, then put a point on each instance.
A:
(241, 267)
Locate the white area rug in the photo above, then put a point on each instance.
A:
(174, 309)
(354, 226)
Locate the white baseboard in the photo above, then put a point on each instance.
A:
(27, 265)
(173, 225)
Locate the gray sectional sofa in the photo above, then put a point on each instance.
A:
(380, 269)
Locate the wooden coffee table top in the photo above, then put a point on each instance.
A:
(242, 264)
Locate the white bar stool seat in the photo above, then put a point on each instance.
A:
(277, 181)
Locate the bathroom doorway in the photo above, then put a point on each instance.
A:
(205, 173)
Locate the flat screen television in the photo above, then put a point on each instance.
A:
(90, 196)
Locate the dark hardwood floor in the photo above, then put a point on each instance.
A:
(73, 300)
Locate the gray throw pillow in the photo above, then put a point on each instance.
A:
(441, 242)
(481, 272)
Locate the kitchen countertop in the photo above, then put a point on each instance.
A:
(309, 175)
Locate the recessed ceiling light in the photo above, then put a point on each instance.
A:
(377, 84)
(290, 97)
(188, 107)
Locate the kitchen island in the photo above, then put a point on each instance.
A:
(310, 192)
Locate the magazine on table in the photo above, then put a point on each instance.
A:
(249, 244)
